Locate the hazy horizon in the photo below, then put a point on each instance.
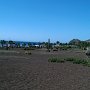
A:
(38, 20)
(45, 41)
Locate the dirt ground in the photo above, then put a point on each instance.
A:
(19, 71)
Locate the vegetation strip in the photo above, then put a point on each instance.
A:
(73, 60)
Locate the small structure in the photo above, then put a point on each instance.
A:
(37, 46)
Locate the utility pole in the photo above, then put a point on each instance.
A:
(49, 44)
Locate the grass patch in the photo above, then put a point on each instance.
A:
(58, 60)
(87, 64)
(76, 60)
(79, 61)
(73, 60)
(69, 59)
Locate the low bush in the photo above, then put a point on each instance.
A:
(58, 60)
(77, 61)
(69, 59)
(84, 62)
(29, 48)
(28, 52)
(73, 60)
(55, 49)
(52, 59)
(88, 65)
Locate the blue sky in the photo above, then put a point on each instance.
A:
(38, 20)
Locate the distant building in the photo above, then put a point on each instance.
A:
(42, 46)
(37, 45)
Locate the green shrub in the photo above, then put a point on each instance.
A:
(78, 61)
(69, 59)
(88, 65)
(84, 62)
(52, 59)
(73, 60)
(58, 60)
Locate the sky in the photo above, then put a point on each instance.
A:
(38, 20)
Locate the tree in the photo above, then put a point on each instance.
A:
(60, 43)
(84, 44)
(24, 44)
(11, 43)
(43, 43)
(3, 42)
(17, 45)
(48, 46)
(57, 42)
(29, 44)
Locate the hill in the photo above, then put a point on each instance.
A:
(88, 40)
(74, 41)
